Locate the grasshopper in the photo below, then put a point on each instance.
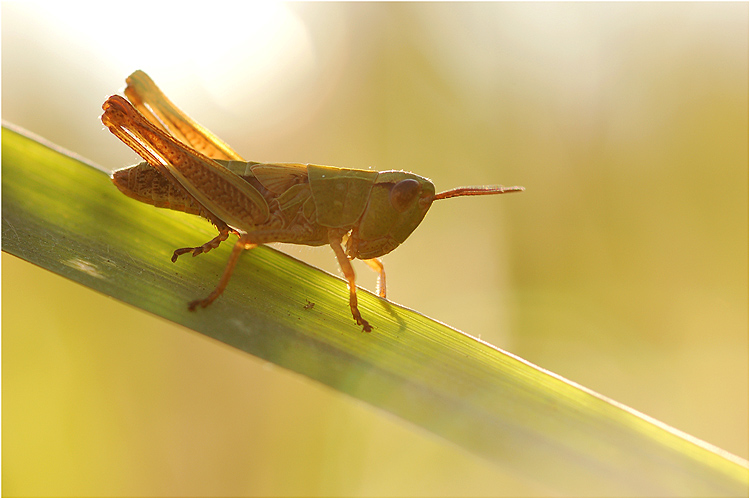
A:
(189, 169)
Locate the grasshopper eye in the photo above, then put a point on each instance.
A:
(403, 193)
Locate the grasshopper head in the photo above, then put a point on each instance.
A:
(398, 203)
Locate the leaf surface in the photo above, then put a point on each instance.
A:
(64, 215)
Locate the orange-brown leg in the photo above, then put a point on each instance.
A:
(212, 244)
(377, 266)
(241, 245)
(346, 267)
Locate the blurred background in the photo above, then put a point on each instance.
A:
(623, 267)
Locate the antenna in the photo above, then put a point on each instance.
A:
(483, 190)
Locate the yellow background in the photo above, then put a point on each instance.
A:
(623, 267)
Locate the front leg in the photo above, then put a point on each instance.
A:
(334, 240)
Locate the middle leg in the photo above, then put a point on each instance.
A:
(377, 266)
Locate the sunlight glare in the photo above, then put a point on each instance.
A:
(234, 49)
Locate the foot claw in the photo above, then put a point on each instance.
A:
(366, 327)
(179, 252)
(196, 303)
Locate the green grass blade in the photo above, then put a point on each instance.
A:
(65, 216)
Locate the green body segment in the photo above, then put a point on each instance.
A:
(340, 194)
